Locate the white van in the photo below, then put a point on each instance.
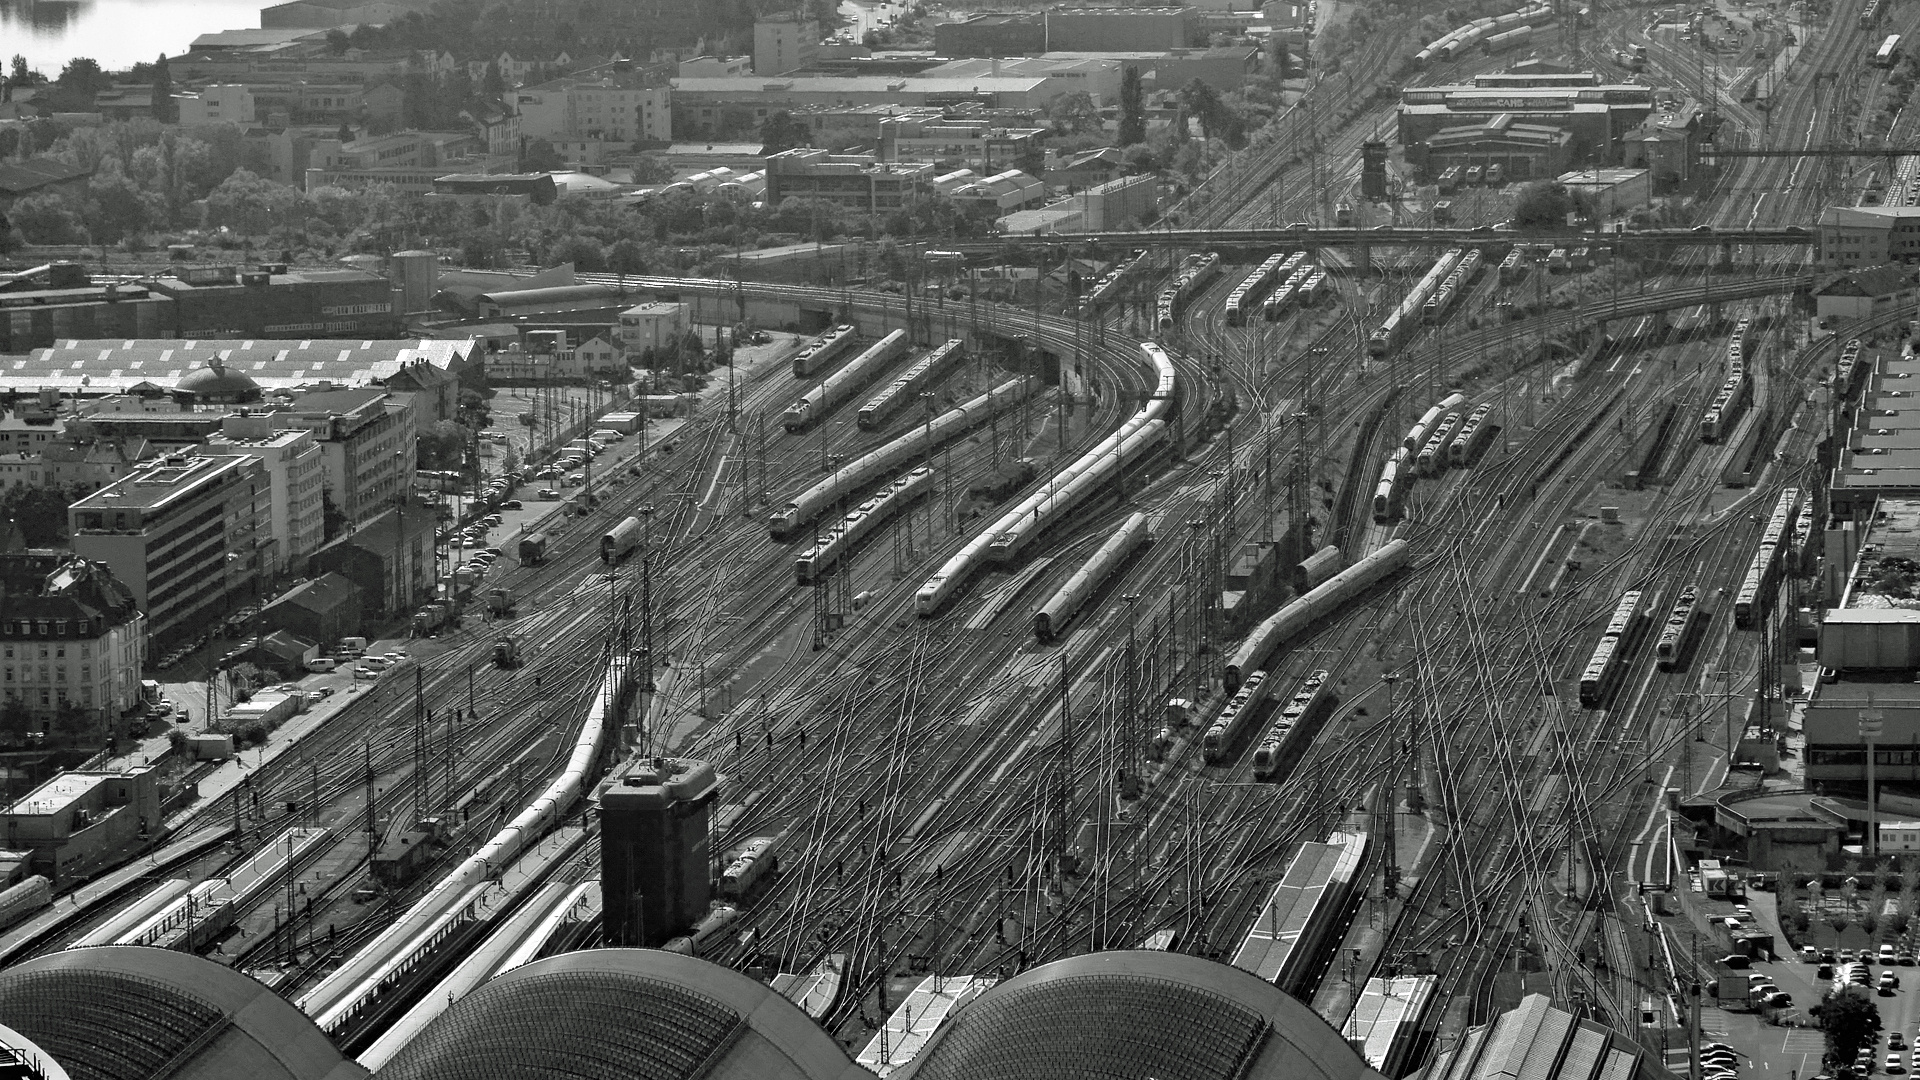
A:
(320, 665)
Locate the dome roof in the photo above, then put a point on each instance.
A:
(124, 1010)
(643, 1014)
(1136, 1013)
(215, 381)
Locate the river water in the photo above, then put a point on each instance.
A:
(117, 33)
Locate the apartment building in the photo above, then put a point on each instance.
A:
(183, 533)
(783, 43)
(366, 440)
(295, 469)
(610, 108)
(1860, 236)
(71, 635)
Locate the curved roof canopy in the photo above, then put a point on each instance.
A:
(638, 1014)
(119, 1011)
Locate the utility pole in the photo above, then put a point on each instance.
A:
(419, 747)
(373, 805)
(1390, 866)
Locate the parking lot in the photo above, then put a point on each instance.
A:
(1765, 1049)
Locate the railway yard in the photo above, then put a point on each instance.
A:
(1017, 633)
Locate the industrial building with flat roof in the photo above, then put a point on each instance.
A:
(1598, 117)
(1868, 235)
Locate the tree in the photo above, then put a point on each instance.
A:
(117, 207)
(1133, 108)
(782, 132)
(652, 169)
(492, 85)
(337, 42)
(542, 157)
(165, 109)
(441, 446)
(333, 520)
(584, 252)
(251, 204)
(1073, 113)
(47, 219)
(23, 76)
(15, 720)
(1202, 103)
(1851, 1022)
(83, 75)
(1542, 206)
(627, 256)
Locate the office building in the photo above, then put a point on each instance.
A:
(656, 874)
(71, 637)
(294, 468)
(974, 144)
(366, 440)
(220, 103)
(1859, 236)
(183, 533)
(650, 326)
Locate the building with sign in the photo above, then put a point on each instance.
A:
(1597, 117)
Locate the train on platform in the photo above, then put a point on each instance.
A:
(1008, 536)
(1323, 600)
(1194, 273)
(1293, 277)
(1850, 371)
(618, 542)
(1472, 438)
(1609, 656)
(1271, 756)
(823, 350)
(896, 394)
(1762, 580)
(816, 403)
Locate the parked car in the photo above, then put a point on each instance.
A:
(511, 504)
(546, 493)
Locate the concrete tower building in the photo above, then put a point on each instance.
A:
(656, 874)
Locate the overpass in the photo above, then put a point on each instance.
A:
(1393, 235)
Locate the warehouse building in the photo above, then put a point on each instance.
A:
(1852, 236)
(992, 33)
(1109, 29)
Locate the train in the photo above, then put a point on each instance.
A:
(1433, 459)
(620, 541)
(1870, 14)
(1400, 323)
(902, 390)
(1450, 292)
(1271, 754)
(338, 998)
(851, 477)
(1195, 271)
(1316, 568)
(1225, 731)
(816, 403)
(1763, 573)
(813, 563)
(1310, 292)
(1512, 268)
(706, 933)
(1051, 617)
(1889, 52)
(1253, 288)
(1319, 602)
(1416, 436)
(1288, 290)
(1472, 438)
(24, 898)
(1680, 620)
(1390, 494)
(756, 859)
(823, 350)
(1009, 534)
(1481, 32)
(1507, 39)
(1722, 414)
(1610, 653)
(1109, 284)
(1850, 371)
